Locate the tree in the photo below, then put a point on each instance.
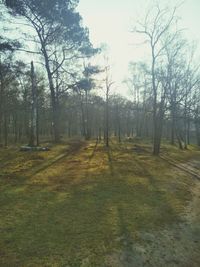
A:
(7, 49)
(156, 28)
(58, 29)
(139, 87)
(108, 84)
(33, 128)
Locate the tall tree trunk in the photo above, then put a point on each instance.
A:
(1, 103)
(173, 125)
(15, 128)
(83, 117)
(33, 131)
(55, 104)
(119, 124)
(107, 120)
(37, 126)
(88, 130)
(5, 129)
(159, 128)
(156, 134)
(188, 131)
(197, 127)
(1, 120)
(100, 134)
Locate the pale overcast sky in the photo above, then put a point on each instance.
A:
(110, 21)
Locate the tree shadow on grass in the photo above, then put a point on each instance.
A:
(84, 222)
(22, 176)
(79, 223)
(138, 167)
(94, 151)
(110, 160)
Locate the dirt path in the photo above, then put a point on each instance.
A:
(177, 245)
(191, 167)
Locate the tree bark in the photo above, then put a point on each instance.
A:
(107, 119)
(33, 130)
(55, 106)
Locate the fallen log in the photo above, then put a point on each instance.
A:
(29, 148)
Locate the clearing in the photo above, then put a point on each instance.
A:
(82, 205)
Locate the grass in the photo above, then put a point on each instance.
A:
(86, 207)
(191, 153)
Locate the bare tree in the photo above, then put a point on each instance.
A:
(156, 27)
(108, 84)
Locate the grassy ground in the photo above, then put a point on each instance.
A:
(97, 207)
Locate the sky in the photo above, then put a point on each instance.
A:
(110, 22)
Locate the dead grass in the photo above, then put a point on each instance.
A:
(88, 208)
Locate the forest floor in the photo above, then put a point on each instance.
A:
(83, 205)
